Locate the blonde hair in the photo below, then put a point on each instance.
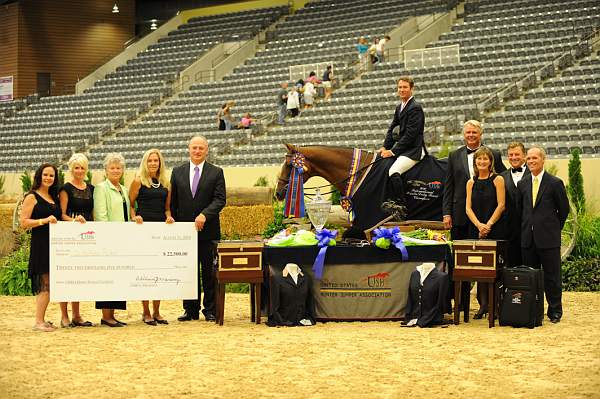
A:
(143, 173)
(78, 159)
(476, 124)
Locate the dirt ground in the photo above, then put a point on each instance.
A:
(352, 360)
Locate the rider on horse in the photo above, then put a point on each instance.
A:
(404, 139)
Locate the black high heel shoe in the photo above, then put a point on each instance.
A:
(481, 313)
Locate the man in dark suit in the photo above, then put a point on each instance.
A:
(545, 207)
(404, 139)
(512, 176)
(460, 170)
(197, 195)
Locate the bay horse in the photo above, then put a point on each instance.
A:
(333, 164)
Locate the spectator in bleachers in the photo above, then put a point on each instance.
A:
(40, 208)
(327, 81)
(148, 195)
(373, 51)
(404, 138)
(246, 121)
(76, 204)
(293, 102)
(312, 78)
(363, 52)
(485, 206)
(380, 48)
(309, 94)
(111, 204)
(227, 117)
(512, 176)
(221, 117)
(282, 96)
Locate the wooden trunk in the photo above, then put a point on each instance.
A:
(479, 258)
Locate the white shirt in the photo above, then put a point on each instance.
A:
(517, 176)
(470, 162)
(193, 172)
(403, 103)
(380, 45)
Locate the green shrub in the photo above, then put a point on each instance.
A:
(61, 176)
(575, 187)
(445, 150)
(26, 181)
(335, 196)
(14, 278)
(262, 182)
(581, 274)
(88, 177)
(587, 241)
(277, 224)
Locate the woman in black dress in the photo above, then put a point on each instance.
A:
(40, 207)
(485, 206)
(148, 195)
(76, 204)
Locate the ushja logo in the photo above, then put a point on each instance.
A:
(377, 280)
(87, 235)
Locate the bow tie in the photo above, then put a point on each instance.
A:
(519, 169)
(470, 151)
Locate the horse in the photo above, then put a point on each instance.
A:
(369, 179)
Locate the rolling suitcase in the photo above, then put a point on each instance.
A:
(522, 297)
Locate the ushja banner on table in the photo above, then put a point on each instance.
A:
(111, 261)
(6, 88)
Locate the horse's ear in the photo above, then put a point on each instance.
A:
(290, 147)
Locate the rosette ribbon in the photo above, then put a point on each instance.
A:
(393, 235)
(294, 198)
(326, 238)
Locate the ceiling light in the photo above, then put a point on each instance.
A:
(115, 9)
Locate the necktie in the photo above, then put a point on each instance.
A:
(195, 181)
(534, 192)
(515, 170)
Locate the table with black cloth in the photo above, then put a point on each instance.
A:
(359, 283)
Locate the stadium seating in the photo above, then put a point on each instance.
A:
(498, 46)
(55, 127)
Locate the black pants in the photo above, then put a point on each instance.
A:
(549, 260)
(206, 280)
(514, 252)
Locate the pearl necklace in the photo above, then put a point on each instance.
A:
(154, 185)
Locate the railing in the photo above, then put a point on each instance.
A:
(434, 56)
(530, 79)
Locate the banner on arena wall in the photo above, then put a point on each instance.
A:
(6, 88)
(120, 261)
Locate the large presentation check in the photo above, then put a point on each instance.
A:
(110, 261)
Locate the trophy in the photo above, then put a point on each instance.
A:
(318, 210)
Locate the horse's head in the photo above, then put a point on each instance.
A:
(284, 176)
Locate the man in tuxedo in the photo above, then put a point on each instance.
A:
(460, 170)
(545, 206)
(404, 138)
(512, 176)
(197, 195)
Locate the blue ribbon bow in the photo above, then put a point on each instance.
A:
(324, 236)
(392, 234)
